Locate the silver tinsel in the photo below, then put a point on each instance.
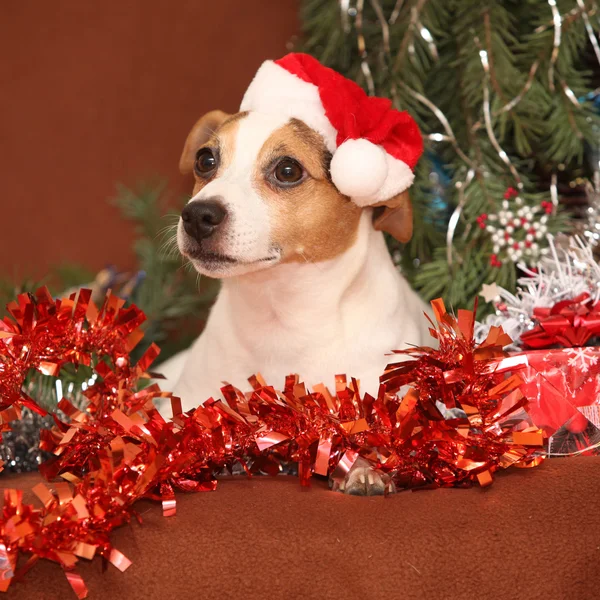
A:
(20, 446)
(20, 450)
(591, 225)
(569, 270)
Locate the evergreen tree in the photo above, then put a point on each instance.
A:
(500, 89)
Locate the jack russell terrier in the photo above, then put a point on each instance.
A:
(291, 198)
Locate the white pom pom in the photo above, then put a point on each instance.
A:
(359, 169)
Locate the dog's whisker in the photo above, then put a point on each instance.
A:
(183, 266)
(168, 228)
(301, 253)
(187, 265)
(169, 247)
(169, 253)
(169, 241)
(168, 236)
(310, 262)
(169, 244)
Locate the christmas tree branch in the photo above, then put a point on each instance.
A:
(415, 11)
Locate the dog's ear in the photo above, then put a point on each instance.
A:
(198, 136)
(396, 218)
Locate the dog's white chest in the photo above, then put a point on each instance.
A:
(339, 318)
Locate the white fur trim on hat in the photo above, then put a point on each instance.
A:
(359, 169)
(367, 173)
(274, 90)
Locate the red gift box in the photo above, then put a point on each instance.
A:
(563, 387)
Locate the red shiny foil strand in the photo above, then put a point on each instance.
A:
(462, 419)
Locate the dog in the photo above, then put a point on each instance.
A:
(308, 284)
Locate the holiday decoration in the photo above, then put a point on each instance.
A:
(567, 323)
(564, 391)
(503, 94)
(19, 450)
(553, 315)
(590, 226)
(463, 419)
(515, 231)
(555, 304)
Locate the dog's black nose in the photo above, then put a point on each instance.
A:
(201, 218)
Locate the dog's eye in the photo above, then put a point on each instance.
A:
(205, 162)
(288, 171)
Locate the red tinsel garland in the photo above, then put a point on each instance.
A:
(464, 418)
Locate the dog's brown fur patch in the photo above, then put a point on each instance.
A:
(312, 221)
(223, 140)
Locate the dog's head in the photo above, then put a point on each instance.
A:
(263, 195)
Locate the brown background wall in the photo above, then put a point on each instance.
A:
(96, 92)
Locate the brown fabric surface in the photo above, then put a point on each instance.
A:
(534, 534)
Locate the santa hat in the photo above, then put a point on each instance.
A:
(375, 147)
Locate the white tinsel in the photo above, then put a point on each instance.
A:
(565, 273)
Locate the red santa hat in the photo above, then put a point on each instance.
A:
(375, 147)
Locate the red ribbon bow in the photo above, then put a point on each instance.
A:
(568, 323)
